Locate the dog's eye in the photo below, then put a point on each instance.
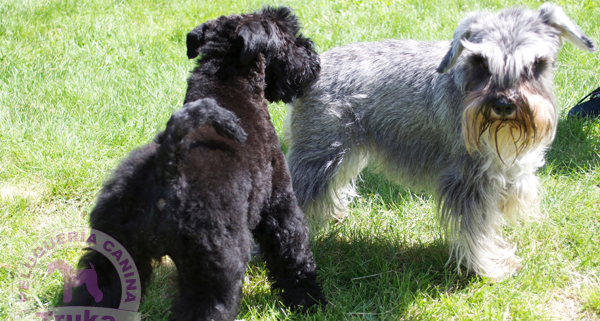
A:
(484, 64)
(481, 62)
(539, 65)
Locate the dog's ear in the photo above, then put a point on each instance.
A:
(554, 16)
(297, 65)
(292, 61)
(195, 40)
(212, 37)
(461, 34)
(258, 37)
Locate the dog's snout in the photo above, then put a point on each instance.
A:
(503, 107)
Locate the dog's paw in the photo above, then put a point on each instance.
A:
(513, 265)
(340, 217)
(506, 269)
(303, 301)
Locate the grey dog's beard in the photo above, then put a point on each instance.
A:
(530, 127)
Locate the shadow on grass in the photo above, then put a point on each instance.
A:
(366, 275)
(160, 292)
(576, 148)
(369, 275)
(362, 276)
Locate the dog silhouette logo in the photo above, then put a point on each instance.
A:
(49, 254)
(74, 277)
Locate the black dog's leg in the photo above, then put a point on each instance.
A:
(284, 242)
(211, 263)
(108, 281)
(210, 279)
(126, 211)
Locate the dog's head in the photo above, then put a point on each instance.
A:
(503, 62)
(270, 36)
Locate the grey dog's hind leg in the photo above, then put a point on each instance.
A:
(323, 171)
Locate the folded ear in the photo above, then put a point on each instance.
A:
(554, 16)
(258, 36)
(212, 37)
(296, 66)
(461, 34)
(195, 40)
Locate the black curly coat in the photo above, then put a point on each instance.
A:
(216, 177)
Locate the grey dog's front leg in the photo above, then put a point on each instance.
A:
(470, 217)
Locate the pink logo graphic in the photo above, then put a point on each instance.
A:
(73, 277)
(47, 255)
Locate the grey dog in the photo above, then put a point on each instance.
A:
(468, 120)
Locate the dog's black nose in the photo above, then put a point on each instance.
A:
(503, 107)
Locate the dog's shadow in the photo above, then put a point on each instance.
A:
(576, 148)
(366, 274)
(363, 275)
(369, 275)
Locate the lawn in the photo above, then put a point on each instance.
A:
(82, 82)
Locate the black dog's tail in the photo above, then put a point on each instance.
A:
(198, 113)
(193, 115)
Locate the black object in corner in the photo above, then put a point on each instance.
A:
(590, 108)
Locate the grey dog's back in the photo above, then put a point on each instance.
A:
(387, 92)
(390, 65)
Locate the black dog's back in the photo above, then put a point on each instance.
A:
(136, 193)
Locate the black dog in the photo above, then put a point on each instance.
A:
(210, 182)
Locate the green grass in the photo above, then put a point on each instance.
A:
(84, 82)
